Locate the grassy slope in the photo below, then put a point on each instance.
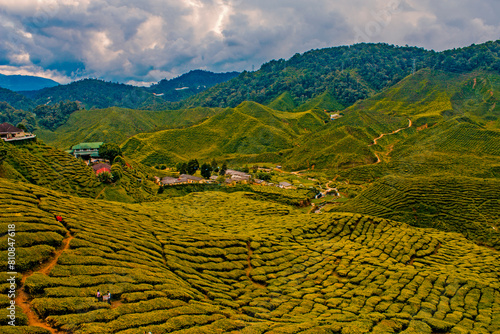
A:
(249, 129)
(49, 167)
(118, 124)
(443, 172)
(247, 266)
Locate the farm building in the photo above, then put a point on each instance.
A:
(10, 133)
(86, 150)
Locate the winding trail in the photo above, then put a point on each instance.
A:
(391, 133)
(22, 298)
(387, 134)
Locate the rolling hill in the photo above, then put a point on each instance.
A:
(116, 125)
(249, 129)
(411, 245)
(16, 100)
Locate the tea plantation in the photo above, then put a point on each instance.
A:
(215, 262)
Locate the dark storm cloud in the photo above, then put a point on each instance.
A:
(144, 41)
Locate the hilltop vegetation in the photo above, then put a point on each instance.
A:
(348, 73)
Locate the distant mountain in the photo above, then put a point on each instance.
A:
(16, 100)
(19, 83)
(189, 84)
(93, 93)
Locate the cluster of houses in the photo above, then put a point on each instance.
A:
(233, 177)
(10, 133)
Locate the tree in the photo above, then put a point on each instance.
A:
(110, 151)
(105, 177)
(206, 170)
(263, 176)
(21, 126)
(215, 167)
(192, 166)
(223, 169)
(181, 167)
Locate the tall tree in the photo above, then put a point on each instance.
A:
(223, 169)
(206, 170)
(215, 167)
(192, 166)
(181, 167)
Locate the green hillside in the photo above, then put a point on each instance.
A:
(347, 73)
(189, 84)
(249, 266)
(16, 100)
(249, 129)
(450, 203)
(92, 93)
(37, 163)
(117, 124)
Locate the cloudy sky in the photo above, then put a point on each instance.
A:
(144, 41)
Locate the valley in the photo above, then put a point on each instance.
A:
(293, 199)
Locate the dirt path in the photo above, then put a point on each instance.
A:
(387, 134)
(100, 193)
(391, 133)
(22, 298)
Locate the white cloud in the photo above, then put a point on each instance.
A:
(131, 41)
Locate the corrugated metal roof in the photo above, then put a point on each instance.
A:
(86, 146)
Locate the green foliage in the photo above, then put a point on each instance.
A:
(189, 84)
(16, 100)
(250, 265)
(250, 129)
(10, 115)
(105, 177)
(110, 151)
(93, 93)
(53, 116)
(206, 170)
(115, 125)
(192, 166)
(347, 73)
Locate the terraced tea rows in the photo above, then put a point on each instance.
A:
(461, 204)
(215, 262)
(49, 167)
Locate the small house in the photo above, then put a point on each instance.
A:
(167, 180)
(86, 150)
(10, 133)
(190, 178)
(286, 185)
